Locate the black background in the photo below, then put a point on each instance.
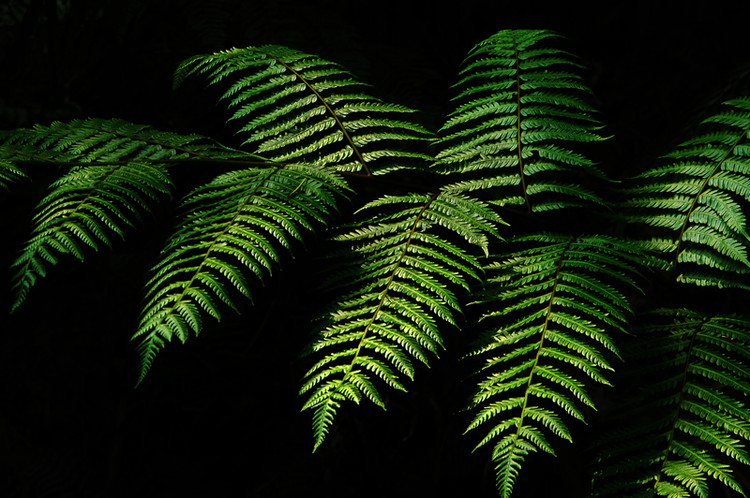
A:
(219, 416)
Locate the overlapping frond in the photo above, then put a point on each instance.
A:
(409, 262)
(552, 306)
(521, 109)
(290, 105)
(116, 169)
(690, 422)
(235, 226)
(695, 202)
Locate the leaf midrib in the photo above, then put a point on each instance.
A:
(384, 295)
(330, 110)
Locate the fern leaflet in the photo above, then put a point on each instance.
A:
(552, 309)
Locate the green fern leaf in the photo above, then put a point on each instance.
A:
(552, 307)
(393, 294)
(235, 225)
(696, 423)
(117, 170)
(520, 106)
(697, 200)
(293, 106)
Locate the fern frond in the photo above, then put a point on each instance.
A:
(9, 172)
(692, 425)
(552, 308)
(409, 264)
(521, 109)
(236, 225)
(293, 106)
(696, 201)
(117, 169)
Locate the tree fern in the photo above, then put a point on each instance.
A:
(521, 104)
(392, 298)
(551, 311)
(295, 106)
(689, 421)
(235, 225)
(696, 200)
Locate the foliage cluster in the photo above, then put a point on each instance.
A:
(560, 278)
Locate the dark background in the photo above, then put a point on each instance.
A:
(219, 416)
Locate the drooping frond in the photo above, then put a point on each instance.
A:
(235, 226)
(410, 260)
(695, 202)
(520, 112)
(116, 169)
(290, 105)
(690, 421)
(552, 307)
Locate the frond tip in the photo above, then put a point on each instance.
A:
(237, 224)
(551, 311)
(521, 113)
(399, 284)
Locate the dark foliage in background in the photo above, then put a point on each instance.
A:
(222, 413)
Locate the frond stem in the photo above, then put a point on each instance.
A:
(518, 125)
(544, 332)
(384, 295)
(37, 159)
(148, 140)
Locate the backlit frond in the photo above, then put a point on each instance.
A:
(233, 227)
(552, 309)
(409, 263)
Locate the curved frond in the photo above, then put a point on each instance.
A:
(235, 226)
(293, 106)
(409, 263)
(117, 169)
(695, 202)
(691, 421)
(552, 309)
(521, 111)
